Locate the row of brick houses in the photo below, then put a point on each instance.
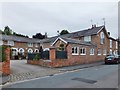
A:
(85, 45)
(20, 46)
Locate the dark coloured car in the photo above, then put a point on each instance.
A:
(112, 59)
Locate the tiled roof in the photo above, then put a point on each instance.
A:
(74, 41)
(20, 39)
(86, 32)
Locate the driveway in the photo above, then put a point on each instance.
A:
(20, 70)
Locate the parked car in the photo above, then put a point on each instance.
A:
(112, 59)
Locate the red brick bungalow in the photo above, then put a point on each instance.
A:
(78, 52)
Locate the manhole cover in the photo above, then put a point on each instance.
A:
(85, 80)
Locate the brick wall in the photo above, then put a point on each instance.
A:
(5, 66)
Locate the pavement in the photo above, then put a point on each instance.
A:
(21, 71)
(71, 68)
(4, 79)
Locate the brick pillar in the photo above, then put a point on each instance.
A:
(6, 63)
(52, 54)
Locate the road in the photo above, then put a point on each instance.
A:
(103, 76)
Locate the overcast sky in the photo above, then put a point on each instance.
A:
(30, 18)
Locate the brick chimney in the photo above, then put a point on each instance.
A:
(94, 26)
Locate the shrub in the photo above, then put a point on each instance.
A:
(2, 53)
(37, 57)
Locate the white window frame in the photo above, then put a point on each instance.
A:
(36, 50)
(102, 38)
(74, 52)
(36, 44)
(110, 43)
(15, 52)
(111, 51)
(22, 51)
(81, 53)
(87, 38)
(11, 43)
(30, 49)
(105, 52)
(30, 44)
(46, 49)
(99, 51)
(92, 51)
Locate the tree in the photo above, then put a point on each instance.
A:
(1, 32)
(39, 36)
(7, 30)
(64, 32)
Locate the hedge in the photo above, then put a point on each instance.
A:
(2, 54)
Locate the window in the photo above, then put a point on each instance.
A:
(30, 50)
(83, 51)
(36, 45)
(11, 43)
(36, 50)
(99, 51)
(104, 52)
(75, 51)
(14, 51)
(92, 51)
(116, 45)
(102, 38)
(46, 49)
(87, 38)
(110, 43)
(110, 51)
(115, 52)
(30, 44)
(21, 51)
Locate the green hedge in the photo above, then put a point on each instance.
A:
(2, 54)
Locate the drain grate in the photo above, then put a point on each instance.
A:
(85, 80)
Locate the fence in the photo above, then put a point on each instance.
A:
(61, 54)
(44, 55)
(37, 56)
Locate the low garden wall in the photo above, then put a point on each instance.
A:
(63, 59)
(5, 60)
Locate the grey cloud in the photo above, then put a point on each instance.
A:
(29, 18)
